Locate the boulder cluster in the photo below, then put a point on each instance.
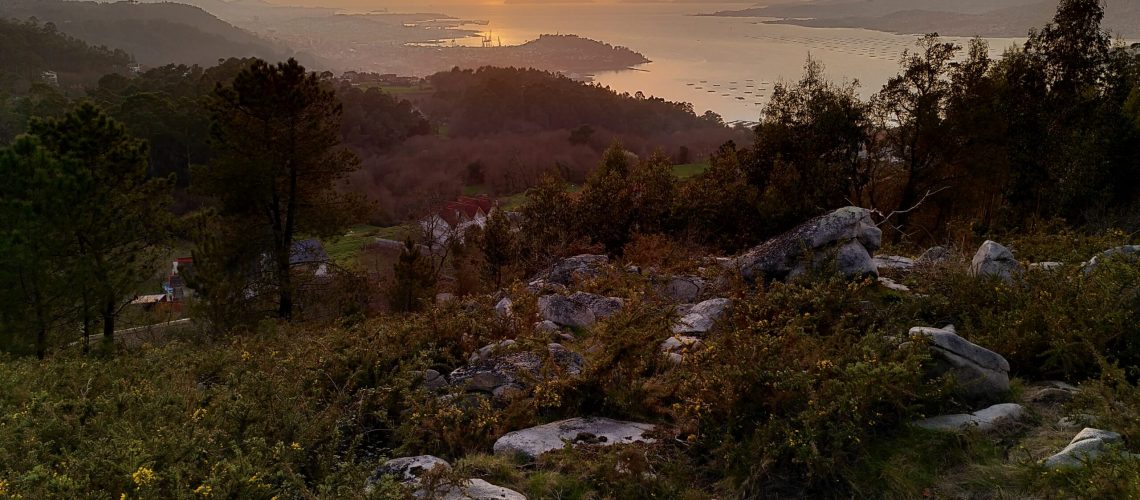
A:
(843, 241)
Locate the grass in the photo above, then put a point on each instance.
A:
(475, 190)
(345, 249)
(689, 170)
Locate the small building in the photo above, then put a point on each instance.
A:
(310, 255)
(50, 78)
(151, 302)
(455, 218)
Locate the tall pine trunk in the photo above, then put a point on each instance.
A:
(108, 314)
(285, 285)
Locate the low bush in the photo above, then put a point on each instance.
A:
(790, 400)
(1048, 325)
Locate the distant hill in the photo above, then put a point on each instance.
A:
(156, 33)
(29, 49)
(1002, 18)
(832, 9)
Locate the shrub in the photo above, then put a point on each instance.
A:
(1048, 325)
(791, 399)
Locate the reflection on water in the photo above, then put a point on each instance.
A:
(728, 65)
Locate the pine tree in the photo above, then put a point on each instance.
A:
(34, 291)
(115, 216)
(81, 222)
(279, 159)
(499, 247)
(414, 280)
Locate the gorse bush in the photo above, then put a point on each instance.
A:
(805, 388)
(1050, 324)
(792, 398)
(282, 412)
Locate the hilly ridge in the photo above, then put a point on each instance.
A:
(30, 49)
(156, 34)
(1002, 18)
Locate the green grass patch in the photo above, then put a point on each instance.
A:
(345, 250)
(475, 190)
(514, 201)
(689, 170)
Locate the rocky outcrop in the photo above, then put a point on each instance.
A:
(895, 262)
(700, 319)
(978, 372)
(410, 471)
(991, 419)
(1053, 393)
(535, 441)
(1128, 251)
(848, 237)
(1085, 446)
(433, 380)
(562, 311)
(574, 269)
(505, 308)
(580, 310)
(504, 374)
(549, 327)
(542, 287)
(993, 259)
(684, 289)
(601, 307)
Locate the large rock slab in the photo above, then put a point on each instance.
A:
(701, 318)
(847, 236)
(1085, 446)
(410, 471)
(684, 289)
(580, 310)
(993, 259)
(505, 308)
(562, 311)
(574, 269)
(535, 441)
(987, 420)
(602, 307)
(895, 262)
(978, 372)
(502, 374)
(477, 489)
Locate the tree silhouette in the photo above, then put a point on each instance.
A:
(279, 159)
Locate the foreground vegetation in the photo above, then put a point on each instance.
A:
(806, 393)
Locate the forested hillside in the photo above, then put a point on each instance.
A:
(155, 34)
(496, 100)
(31, 49)
(501, 128)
